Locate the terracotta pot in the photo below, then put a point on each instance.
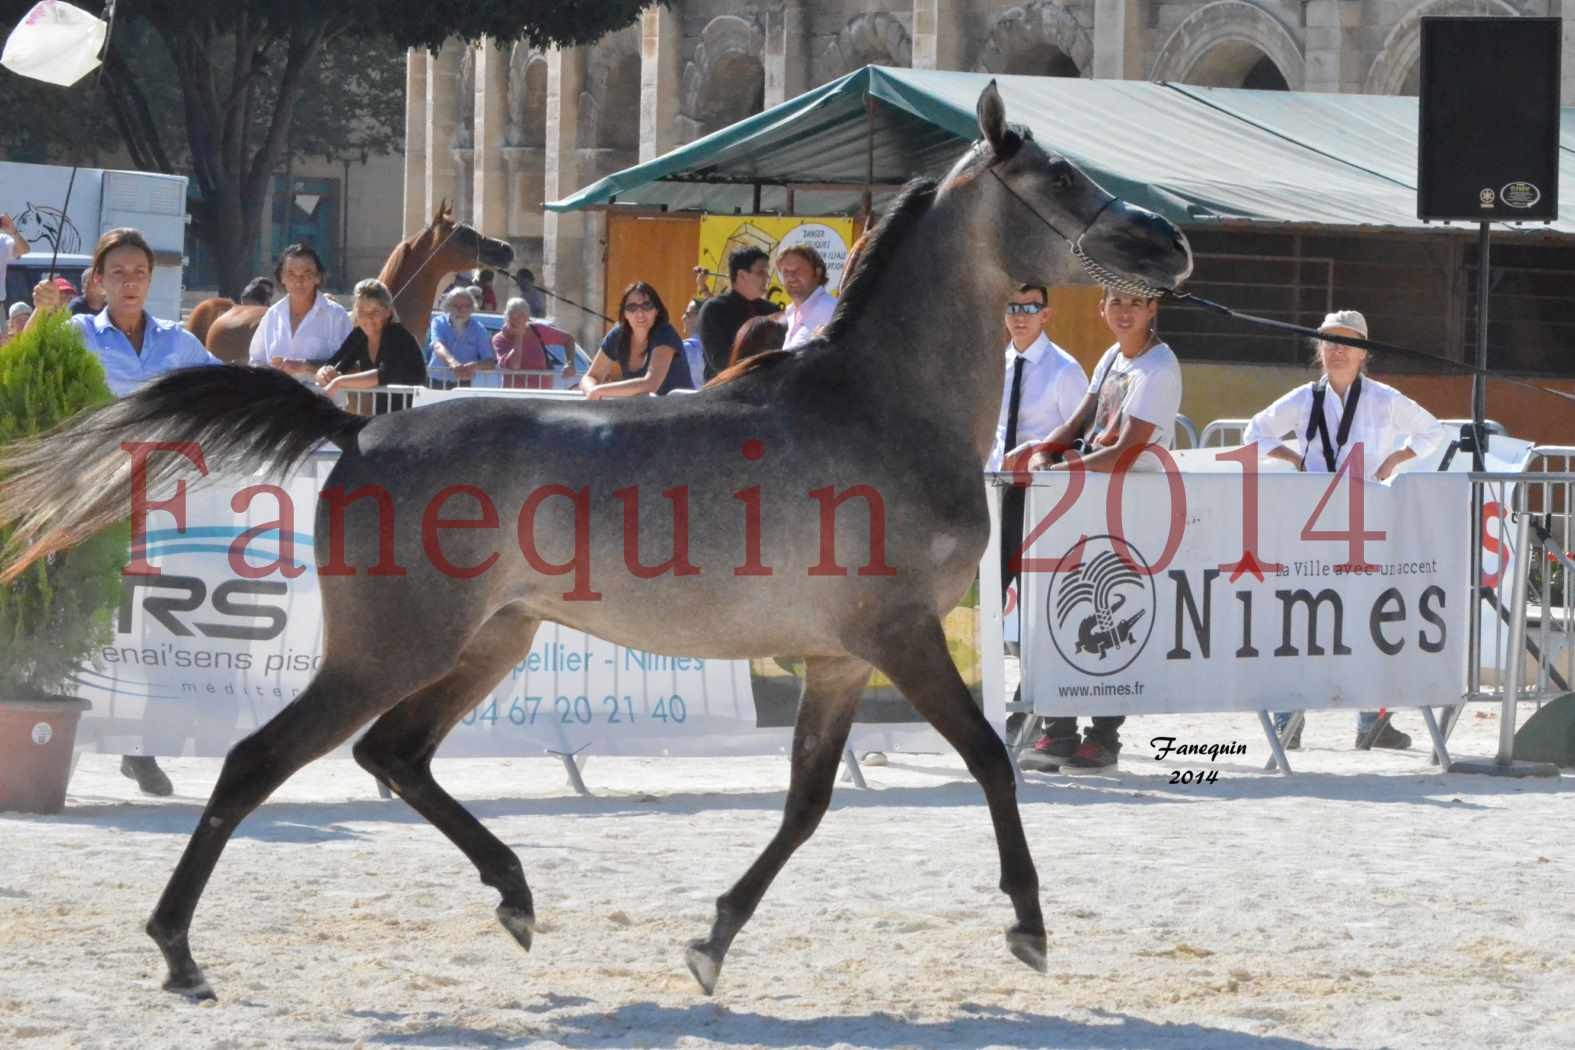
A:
(36, 741)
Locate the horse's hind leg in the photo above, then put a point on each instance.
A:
(914, 656)
(328, 711)
(398, 751)
(825, 714)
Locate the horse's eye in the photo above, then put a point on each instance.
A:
(1061, 177)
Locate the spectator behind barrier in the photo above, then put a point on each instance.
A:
(522, 347)
(757, 336)
(258, 292)
(689, 326)
(1354, 411)
(488, 301)
(379, 351)
(804, 278)
(16, 318)
(642, 354)
(749, 270)
(305, 328)
(1132, 401)
(91, 301)
(526, 281)
(458, 340)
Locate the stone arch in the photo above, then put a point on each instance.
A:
(610, 105)
(1222, 43)
(1397, 69)
(874, 39)
(725, 81)
(527, 116)
(1041, 38)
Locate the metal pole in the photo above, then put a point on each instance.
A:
(1517, 636)
(869, 158)
(1479, 380)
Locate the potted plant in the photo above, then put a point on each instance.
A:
(57, 612)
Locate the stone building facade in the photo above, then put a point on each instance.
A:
(497, 130)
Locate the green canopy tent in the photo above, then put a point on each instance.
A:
(1196, 155)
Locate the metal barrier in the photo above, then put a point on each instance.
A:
(1527, 652)
(442, 377)
(1223, 433)
(1184, 425)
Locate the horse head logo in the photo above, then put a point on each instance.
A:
(1100, 614)
(46, 227)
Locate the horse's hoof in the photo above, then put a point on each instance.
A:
(196, 988)
(520, 923)
(705, 966)
(1032, 948)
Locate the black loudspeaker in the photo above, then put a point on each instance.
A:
(1488, 137)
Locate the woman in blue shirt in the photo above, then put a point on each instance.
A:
(135, 347)
(642, 354)
(458, 340)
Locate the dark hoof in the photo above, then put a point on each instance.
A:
(144, 769)
(193, 986)
(703, 964)
(1032, 948)
(520, 923)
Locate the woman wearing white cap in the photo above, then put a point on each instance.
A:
(1330, 418)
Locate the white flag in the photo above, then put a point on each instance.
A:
(55, 43)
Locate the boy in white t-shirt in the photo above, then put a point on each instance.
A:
(1132, 401)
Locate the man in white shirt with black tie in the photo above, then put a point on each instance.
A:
(1041, 390)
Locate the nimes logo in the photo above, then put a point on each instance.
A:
(1101, 614)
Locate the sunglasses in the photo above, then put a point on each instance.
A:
(1013, 309)
(640, 307)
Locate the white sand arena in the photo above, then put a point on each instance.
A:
(1367, 902)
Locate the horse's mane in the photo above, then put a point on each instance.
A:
(858, 287)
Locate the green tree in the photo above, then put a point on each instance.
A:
(240, 69)
(56, 614)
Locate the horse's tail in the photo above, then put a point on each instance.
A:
(62, 487)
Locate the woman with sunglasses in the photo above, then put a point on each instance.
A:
(643, 354)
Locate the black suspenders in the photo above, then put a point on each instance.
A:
(1317, 426)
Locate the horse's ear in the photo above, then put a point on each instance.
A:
(442, 209)
(992, 117)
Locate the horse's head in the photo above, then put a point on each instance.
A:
(1047, 206)
(450, 246)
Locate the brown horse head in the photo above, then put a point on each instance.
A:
(423, 261)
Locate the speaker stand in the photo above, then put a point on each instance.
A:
(1479, 381)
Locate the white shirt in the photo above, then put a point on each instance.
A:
(1053, 385)
(317, 338)
(1146, 387)
(1386, 420)
(7, 253)
(804, 320)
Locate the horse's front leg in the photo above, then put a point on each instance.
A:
(825, 714)
(914, 656)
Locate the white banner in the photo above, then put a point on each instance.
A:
(201, 657)
(1164, 592)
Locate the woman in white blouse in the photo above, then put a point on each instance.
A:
(1358, 412)
(1389, 427)
(305, 328)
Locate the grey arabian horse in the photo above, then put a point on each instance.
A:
(737, 487)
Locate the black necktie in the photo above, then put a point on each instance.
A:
(1012, 403)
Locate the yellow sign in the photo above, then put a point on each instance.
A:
(721, 235)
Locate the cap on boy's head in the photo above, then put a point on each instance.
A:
(1351, 319)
